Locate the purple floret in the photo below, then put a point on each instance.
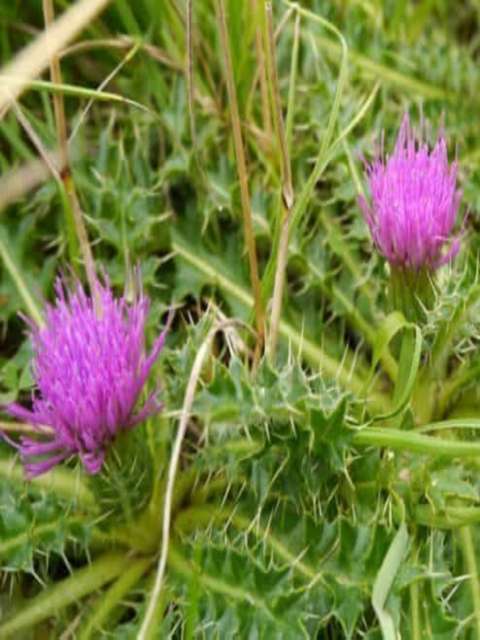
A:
(414, 203)
(89, 367)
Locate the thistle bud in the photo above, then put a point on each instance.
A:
(412, 211)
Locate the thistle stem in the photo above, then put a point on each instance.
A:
(415, 613)
(107, 602)
(469, 555)
(415, 442)
(53, 599)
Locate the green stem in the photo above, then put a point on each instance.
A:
(453, 518)
(152, 633)
(324, 155)
(213, 488)
(292, 84)
(469, 555)
(447, 425)
(397, 439)
(184, 483)
(112, 597)
(70, 233)
(414, 593)
(415, 442)
(415, 611)
(53, 599)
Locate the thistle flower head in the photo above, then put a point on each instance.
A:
(89, 367)
(414, 203)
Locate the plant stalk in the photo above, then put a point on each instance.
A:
(112, 598)
(172, 472)
(415, 442)
(52, 600)
(243, 180)
(287, 187)
(266, 118)
(72, 204)
(189, 72)
(469, 555)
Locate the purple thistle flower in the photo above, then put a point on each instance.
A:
(90, 368)
(414, 203)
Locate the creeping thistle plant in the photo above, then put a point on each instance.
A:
(179, 484)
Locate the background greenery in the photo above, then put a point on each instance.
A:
(288, 521)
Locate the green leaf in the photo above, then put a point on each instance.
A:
(410, 355)
(384, 581)
(32, 525)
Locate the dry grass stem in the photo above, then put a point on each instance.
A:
(66, 177)
(35, 58)
(15, 184)
(185, 414)
(56, 77)
(243, 179)
(37, 143)
(261, 71)
(287, 187)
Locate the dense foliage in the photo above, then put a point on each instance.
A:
(327, 485)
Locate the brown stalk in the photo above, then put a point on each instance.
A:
(287, 187)
(66, 174)
(256, 78)
(262, 75)
(243, 179)
(34, 58)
